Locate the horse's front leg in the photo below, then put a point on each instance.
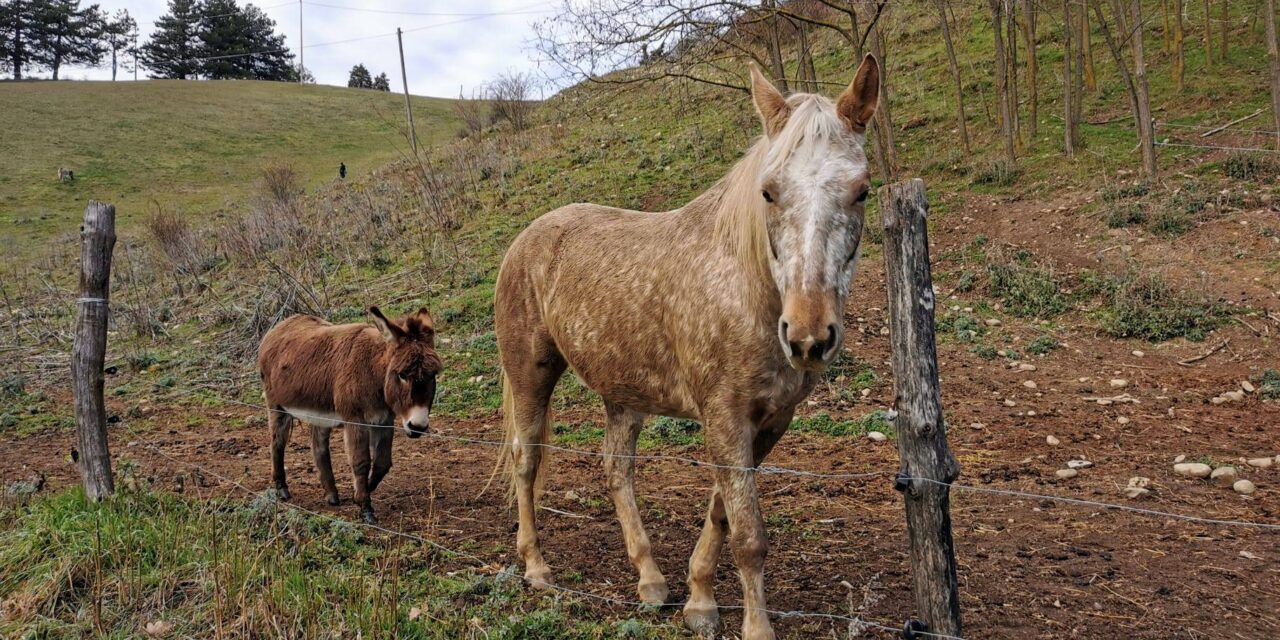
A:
(700, 613)
(619, 463)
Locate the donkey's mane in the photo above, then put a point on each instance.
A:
(735, 201)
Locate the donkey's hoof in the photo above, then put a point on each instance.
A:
(368, 517)
(654, 593)
(702, 621)
(332, 499)
(283, 493)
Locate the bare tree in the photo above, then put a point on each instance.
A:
(1002, 78)
(1273, 54)
(1179, 47)
(886, 152)
(955, 73)
(1225, 21)
(1131, 26)
(1070, 134)
(1033, 95)
(471, 112)
(511, 98)
(1086, 50)
(1208, 36)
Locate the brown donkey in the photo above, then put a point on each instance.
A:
(328, 375)
(725, 310)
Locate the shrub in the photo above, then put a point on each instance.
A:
(1043, 344)
(280, 183)
(1025, 288)
(1144, 306)
(1170, 223)
(180, 244)
(1000, 173)
(1125, 215)
(1249, 166)
(1112, 193)
(1269, 385)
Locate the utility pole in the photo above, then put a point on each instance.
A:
(408, 107)
(302, 51)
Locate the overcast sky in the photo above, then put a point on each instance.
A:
(442, 52)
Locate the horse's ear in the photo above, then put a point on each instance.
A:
(858, 102)
(390, 330)
(770, 103)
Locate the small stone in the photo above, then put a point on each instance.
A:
(1119, 383)
(1179, 459)
(866, 393)
(1123, 420)
(1066, 473)
(1010, 403)
(1138, 354)
(1244, 487)
(1261, 463)
(1193, 469)
(977, 425)
(1133, 493)
(992, 322)
(1079, 464)
(1234, 396)
(1139, 481)
(877, 436)
(1026, 366)
(1225, 476)
(1218, 400)
(1053, 442)
(1247, 386)
(1031, 414)
(1030, 384)
(1105, 402)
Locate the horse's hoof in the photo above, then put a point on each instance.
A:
(703, 622)
(368, 517)
(283, 493)
(332, 499)
(654, 593)
(539, 580)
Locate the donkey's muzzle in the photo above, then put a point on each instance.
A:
(416, 430)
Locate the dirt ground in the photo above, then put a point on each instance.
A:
(1028, 568)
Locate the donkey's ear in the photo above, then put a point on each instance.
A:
(390, 330)
(770, 103)
(424, 316)
(421, 324)
(858, 102)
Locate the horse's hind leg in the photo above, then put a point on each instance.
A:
(619, 463)
(281, 426)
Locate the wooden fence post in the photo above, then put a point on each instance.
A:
(97, 239)
(927, 463)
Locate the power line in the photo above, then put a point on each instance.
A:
(518, 11)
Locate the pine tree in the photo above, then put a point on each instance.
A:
(17, 20)
(118, 35)
(66, 34)
(242, 43)
(360, 78)
(174, 44)
(382, 83)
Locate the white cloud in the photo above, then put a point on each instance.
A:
(441, 52)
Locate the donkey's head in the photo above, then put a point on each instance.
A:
(409, 387)
(814, 183)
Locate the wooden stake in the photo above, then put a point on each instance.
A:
(408, 108)
(89, 348)
(921, 432)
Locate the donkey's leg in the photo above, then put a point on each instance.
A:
(356, 439)
(619, 462)
(700, 612)
(281, 425)
(380, 448)
(324, 464)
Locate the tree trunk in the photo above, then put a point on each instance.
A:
(1179, 46)
(1273, 54)
(1002, 79)
(113, 64)
(1165, 34)
(1208, 37)
(1069, 132)
(1081, 60)
(1086, 50)
(884, 114)
(1226, 18)
(955, 74)
(928, 467)
(1137, 89)
(89, 347)
(1011, 30)
(1033, 95)
(776, 67)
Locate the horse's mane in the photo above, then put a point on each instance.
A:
(738, 207)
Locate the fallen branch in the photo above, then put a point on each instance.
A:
(1189, 361)
(1229, 124)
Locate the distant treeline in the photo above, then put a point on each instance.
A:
(214, 39)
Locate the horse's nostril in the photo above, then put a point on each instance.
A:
(796, 349)
(831, 333)
(816, 351)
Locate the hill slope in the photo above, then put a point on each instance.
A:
(190, 146)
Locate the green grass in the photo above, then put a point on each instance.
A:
(823, 423)
(70, 568)
(1269, 384)
(1042, 345)
(192, 147)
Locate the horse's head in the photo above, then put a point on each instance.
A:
(409, 385)
(814, 182)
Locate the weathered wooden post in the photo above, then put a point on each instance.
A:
(927, 463)
(97, 239)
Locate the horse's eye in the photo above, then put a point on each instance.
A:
(767, 197)
(862, 197)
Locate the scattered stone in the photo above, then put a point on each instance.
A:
(1026, 366)
(1261, 463)
(1247, 386)
(1179, 459)
(1138, 354)
(1225, 476)
(1193, 469)
(1123, 420)
(1105, 402)
(866, 393)
(1137, 487)
(1030, 384)
(1066, 473)
(992, 322)
(1234, 396)
(1249, 555)
(1031, 414)
(877, 436)
(1010, 403)
(1053, 442)
(1244, 487)
(977, 425)
(1079, 464)
(1119, 383)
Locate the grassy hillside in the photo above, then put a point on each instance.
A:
(193, 147)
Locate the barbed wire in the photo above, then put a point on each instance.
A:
(1206, 127)
(780, 614)
(518, 11)
(1165, 143)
